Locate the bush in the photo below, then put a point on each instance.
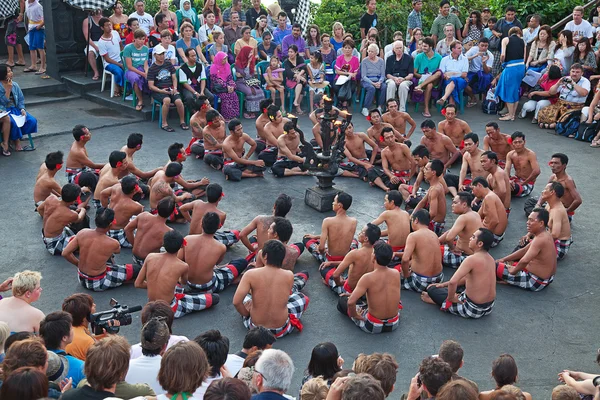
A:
(152, 6)
(551, 11)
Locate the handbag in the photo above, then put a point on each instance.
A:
(218, 87)
(495, 43)
(345, 92)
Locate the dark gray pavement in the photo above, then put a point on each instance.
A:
(546, 332)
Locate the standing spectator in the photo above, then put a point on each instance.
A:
(109, 48)
(473, 29)
(187, 41)
(488, 32)
(162, 81)
(219, 45)
(454, 70)
(183, 368)
(296, 39)
(540, 98)
(236, 6)
(295, 75)
(37, 36)
(563, 53)
(414, 19)
(187, 11)
(369, 19)
(585, 56)
(205, 34)
(513, 71)
(223, 86)
(443, 46)
(119, 21)
(17, 310)
(136, 60)
(337, 37)
(445, 17)
(414, 40)
(283, 28)
(253, 13)
(267, 48)
(192, 79)
(246, 41)
(480, 76)
(15, 37)
(500, 30)
(504, 372)
(348, 65)
(247, 80)
(329, 56)
(532, 30)
(427, 74)
(542, 50)
(486, 14)
(233, 30)
(580, 27)
(260, 28)
(169, 16)
(313, 39)
(91, 27)
(211, 5)
(145, 20)
(372, 71)
(399, 69)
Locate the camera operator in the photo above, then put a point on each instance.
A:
(433, 374)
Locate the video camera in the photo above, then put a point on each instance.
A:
(100, 321)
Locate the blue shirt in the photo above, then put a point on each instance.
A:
(279, 34)
(290, 40)
(268, 396)
(76, 367)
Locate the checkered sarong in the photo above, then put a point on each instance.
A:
(183, 304)
(222, 277)
(467, 309)
(374, 325)
(56, 245)
(327, 275)
(523, 279)
(562, 247)
(114, 276)
(521, 189)
(451, 259)
(97, 203)
(418, 283)
(8, 8)
(312, 245)
(497, 239)
(119, 235)
(228, 238)
(71, 173)
(437, 227)
(138, 260)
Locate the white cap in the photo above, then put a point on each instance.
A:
(159, 49)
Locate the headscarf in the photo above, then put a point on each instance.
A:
(222, 71)
(241, 61)
(275, 9)
(189, 13)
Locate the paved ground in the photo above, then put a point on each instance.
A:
(546, 332)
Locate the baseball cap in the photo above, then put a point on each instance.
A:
(159, 49)
(58, 367)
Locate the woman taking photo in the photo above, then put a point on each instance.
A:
(513, 71)
(247, 81)
(473, 30)
(295, 75)
(223, 86)
(542, 50)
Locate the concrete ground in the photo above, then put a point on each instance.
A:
(546, 332)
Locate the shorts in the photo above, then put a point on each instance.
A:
(37, 37)
(451, 259)
(312, 245)
(419, 283)
(357, 169)
(371, 324)
(464, 308)
(114, 276)
(437, 227)
(521, 189)
(159, 97)
(183, 304)
(523, 279)
(222, 277)
(284, 163)
(233, 171)
(119, 235)
(562, 247)
(85, 49)
(57, 244)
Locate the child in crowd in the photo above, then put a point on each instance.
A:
(171, 54)
(487, 32)
(37, 36)
(316, 76)
(274, 78)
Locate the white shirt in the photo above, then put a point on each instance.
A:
(568, 93)
(146, 21)
(145, 369)
(475, 64)
(199, 393)
(529, 36)
(584, 29)
(163, 397)
(204, 31)
(234, 363)
(110, 47)
(136, 349)
(170, 54)
(455, 67)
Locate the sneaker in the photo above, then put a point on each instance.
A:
(534, 121)
(130, 97)
(365, 112)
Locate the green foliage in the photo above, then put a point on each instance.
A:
(551, 11)
(152, 6)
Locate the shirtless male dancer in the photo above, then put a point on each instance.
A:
(375, 132)
(272, 131)
(532, 267)
(492, 211)
(177, 154)
(164, 273)
(337, 233)
(150, 230)
(121, 196)
(57, 215)
(214, 135)
(290, 161)
(237, 164)
(397, 222)
(382, 288)
(412, 194)
(270, 296)
(77, 159)
(203, 254)
(397, 164)
(200, 107)
(134, 144)
(499, 143)
(471, 160)
(45, 182)
(456, 241)
(261, 122)
(398, 119)
(359, 161)
(526, 166)
(214, 194)
(357, 262)
(497, 178)
(262, 223)
(435, 199)
(558, 224)
(17, 310)
(161, 188)
(109, 175)
(476, 273)
(571, 199)
(453, 127)
(281, 229)
(421, 261)
(440, 146)
(96, 266)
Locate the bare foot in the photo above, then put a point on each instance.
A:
(425, 297)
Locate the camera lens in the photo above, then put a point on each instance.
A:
(596, 381)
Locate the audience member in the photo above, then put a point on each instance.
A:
(382, 367)
(337, 36)
(563, 53)
(17, 310)
(295, 75)
(25, 383)
(187, 41)
(533, 28)
(233, 30)
(445, 17)
(399, 68)
(236, 7)
(373, 78)
(274, 370)
(80, 306)
(183, 369)
(136, 60)
(187, 11)
(144, 19)
(504, 372)
(457, 389)
(109, 48)
(228, 388)
(205, 33)
(223, 86)
(282, 29)
(295, 38)
(255, 12)
(581, 28)
(358, 387)
(513, 56)
(192, 79)
(542, 50)
(414, 19)
(443, 46)
(170, 17)
(246, 40)
(325, 362)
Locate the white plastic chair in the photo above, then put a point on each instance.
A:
(112, 82)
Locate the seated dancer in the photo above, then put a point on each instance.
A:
(558, 224)
(150, 230)
(337, 233)
(375, 132)
(492, 211)
(45, 182)
(397, 164)
(454, 250)
(290, 161)
(162, 273)
(261, 122)
(262, 223)
(359, 161)
(476, 274)
(200, 107)
(214, 194)
(397, 221)
(435, 198)
(382, 288)
(440, 146)
(214, 134)
(109, 174)
(177, 154)
(412, 194)
(471, 161)
(125, 207)
(270, 296)
(203, 254)
(499, 143)
(281, 229)
(57, 215)
(398, 119)
(134, 144)
(77, 159)
(526, 166)
(358, 262)
(271, 132)
(421, 261)
(95, 248)
(532, 267)
(316, 117)
(571, 199)
(453, 127)
(161, 188)
(237, 165)
(497, 178)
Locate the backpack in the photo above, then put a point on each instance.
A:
(587, 132)
(492, 103)
(568, 123)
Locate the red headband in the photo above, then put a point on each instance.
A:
(78, 200)
(179, 156)
(509, 140)
(550, 163)
(58, 166)
(137, 188)
(443, 112)
(209, 123)
(368, 118)
(381, 139)
(184, 242)
(222, 194)
(203, 106)
(139, 146)
(462, 144)
(119, 164)
(114, 221)
(264, 110)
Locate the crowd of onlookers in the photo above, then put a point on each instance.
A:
(60, 355)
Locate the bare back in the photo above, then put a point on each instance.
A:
(398, 226)
(481, 279)
(270, 288)
(202, 253)
(426, 257)
(383, 292)
(340, 233)
(163, 272)
(199, 208)
(95, 251)
(56, 216)
(543, 251)
(19, 315)
(149, 236)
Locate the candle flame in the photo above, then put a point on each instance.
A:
(326, 98)
(291, 116)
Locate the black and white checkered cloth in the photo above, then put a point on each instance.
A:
(374, 325)
(91, 4)
(56, 245)
(114, 276)
(303, 16)
(119, 235)
(418, 283)
(450, 259)
(523, 279)
(562, 247)
(222, 277)
(467, 309)
(228, 238)
(183, 304)
(312, 245)
(8, 8)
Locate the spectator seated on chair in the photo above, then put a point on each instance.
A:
(427, 74)
(372, 71)
(192, 79)
(109, 48)
(399, 69)
(479, 76)
(136, 59)
(166, 38)
(454, 70)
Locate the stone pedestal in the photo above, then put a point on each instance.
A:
(320, 199)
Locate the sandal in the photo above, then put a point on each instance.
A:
(595, 144)
(45, 76)
(471, 104)
(167, 128)
(29, 70)
(18, 64)
(426, 114)
(41, 72)
(139, 107)
(95, 78)
(5, 151)
(507, 118)
(441, 102)
(418, 89)
(184, 126)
